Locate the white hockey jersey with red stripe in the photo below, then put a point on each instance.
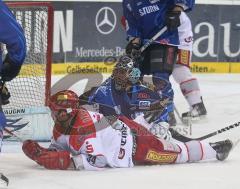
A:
(96, 141)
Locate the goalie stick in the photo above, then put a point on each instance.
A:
(183, 138)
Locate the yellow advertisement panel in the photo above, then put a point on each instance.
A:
(101, 67)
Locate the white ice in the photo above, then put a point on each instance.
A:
(221, 93)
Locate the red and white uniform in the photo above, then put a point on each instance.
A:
(95, 144)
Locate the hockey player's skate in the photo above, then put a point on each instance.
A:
(198, 111)
(222, 148)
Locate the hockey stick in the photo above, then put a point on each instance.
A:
(157, 35)
(3, 180)
(187, 122)
(183, 138)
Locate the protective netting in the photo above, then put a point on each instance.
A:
(31, 87)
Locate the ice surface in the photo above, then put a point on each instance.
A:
(221, 93)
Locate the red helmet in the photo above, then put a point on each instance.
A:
(64, 105)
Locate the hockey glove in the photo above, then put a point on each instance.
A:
(32, 149)
(4, 94)
(173, 20)
(9, 69)
(161, 131)
(55, 160)
(133, 50)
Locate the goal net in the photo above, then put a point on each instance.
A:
(32, 87)
(27, 113)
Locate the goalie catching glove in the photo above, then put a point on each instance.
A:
(50, 159)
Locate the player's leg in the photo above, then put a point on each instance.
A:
(181, 72)
(190, 89)
(151, 150)
(148, 149)
(193, 151)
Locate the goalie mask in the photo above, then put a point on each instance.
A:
(125, 73)
(64, 105)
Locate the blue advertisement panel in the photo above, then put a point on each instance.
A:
(92, 31)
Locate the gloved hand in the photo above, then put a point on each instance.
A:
(9, 69)
(32, 149)
(55, 160)
(161, 130)
(133, 49)
(172, 20)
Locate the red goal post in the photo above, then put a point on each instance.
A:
(33, 85)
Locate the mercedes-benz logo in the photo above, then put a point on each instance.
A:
(105, 20)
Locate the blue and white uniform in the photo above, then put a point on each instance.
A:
(130, 104)
(145, 18)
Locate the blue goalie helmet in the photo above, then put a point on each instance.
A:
(125, 73)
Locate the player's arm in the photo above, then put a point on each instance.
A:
(48, 158)
(11, 34)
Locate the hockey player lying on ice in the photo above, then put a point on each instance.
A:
(85, 140)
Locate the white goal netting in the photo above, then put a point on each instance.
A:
(32, 87)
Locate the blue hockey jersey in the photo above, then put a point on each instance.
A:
(11, 34)
(130, 104)
(144, 18)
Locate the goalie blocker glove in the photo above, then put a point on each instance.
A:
(133, 49)
(9, 69)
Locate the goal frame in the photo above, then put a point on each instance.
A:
(49, 40)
